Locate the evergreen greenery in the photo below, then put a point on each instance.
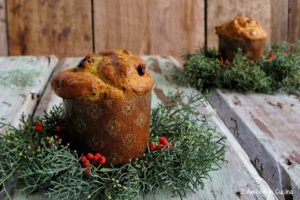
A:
(277, 71)
(41, 163)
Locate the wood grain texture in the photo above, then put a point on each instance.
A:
(49, 98)
(166, 27)
(268, 129)
(272, 14)
(235, 180)
(279, 20)
(3, 32)
(294, 20)
(22, 81)
(61, 27)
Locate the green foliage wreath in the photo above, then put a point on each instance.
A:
(277, 71)
(38, 156)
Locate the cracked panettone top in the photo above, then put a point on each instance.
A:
(111, 74)
(242, 27)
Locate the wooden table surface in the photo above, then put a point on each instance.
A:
(238, 179)
(268, 128)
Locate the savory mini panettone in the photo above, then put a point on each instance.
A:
(244, 33)
(107, 102)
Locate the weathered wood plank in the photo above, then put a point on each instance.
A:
(166, 27)
(49, 98)
(268, 128)
(294, 21)
(236, 180)
(272, 14)
(22, 81)
(279, 20)
(3, 35)
(61, 27)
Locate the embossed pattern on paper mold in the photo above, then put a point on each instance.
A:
(129, 140)
(80, 125)
(94, 111)
(141, 119)
(128, 108)
(112, 127)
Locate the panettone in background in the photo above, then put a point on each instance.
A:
(107, 102)
(244, 33)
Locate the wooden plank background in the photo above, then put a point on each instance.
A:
(149, 27)
(294, 20)
(3, 41)
(169, 27)
(60, 27)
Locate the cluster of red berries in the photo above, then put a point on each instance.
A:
(163, 141)
(89, 159)
(38, 127)
(271, 56)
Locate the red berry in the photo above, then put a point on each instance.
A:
(83, 159)
(90, 156)
(38, 127)
(96, 158)
(160, 146)
(170, 146)
(86, 163)
(102, 160)
(97, 155)
(163, 140)
(152, 146)
(87, 172)
(58, 128)
(272, 56)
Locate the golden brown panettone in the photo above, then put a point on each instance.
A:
(107, 100)
(112, 74)
(244, 33)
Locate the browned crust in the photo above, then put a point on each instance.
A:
(109, 74)
(242, 28)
